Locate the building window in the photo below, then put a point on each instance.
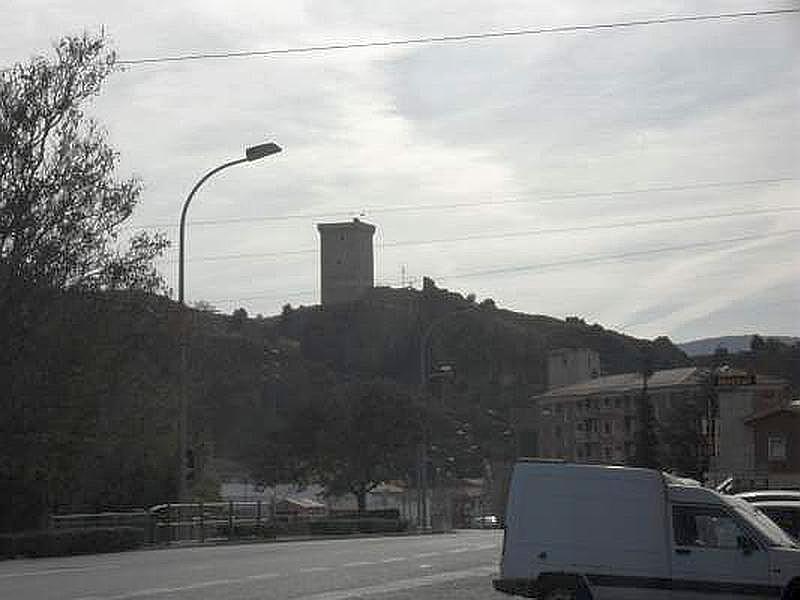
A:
(628, 403)
(607, 402)
(558, 431)
(776, 447)
(607, 427)
(607, 451)
(617, 402)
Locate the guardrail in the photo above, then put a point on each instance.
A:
(216, 521)
(131, 518)
(212, 520)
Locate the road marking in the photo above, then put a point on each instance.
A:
(459, 550)
(358, 564)
(263, 576)
(426, 566)
(314, 569)
(181, 588)
(427, 554)
(402, 584)
(393, 560)
(57, 571)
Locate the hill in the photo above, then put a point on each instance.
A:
(730, 343)
(89, 417)
(381, 334)
(764, 356)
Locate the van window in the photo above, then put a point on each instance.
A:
(706, 527)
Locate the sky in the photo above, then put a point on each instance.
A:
(643, 178)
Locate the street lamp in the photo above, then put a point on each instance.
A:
(251, 154)
(423, 516)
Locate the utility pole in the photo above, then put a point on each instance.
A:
(424, 377)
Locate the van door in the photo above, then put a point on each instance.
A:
(714, 556)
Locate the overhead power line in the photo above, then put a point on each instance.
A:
(547, 198)
(621, 257)
(517, 234)
(464, 38)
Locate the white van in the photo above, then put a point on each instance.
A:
(596, 532)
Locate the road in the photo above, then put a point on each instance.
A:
(446, 566)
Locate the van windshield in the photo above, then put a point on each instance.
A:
(774, 535)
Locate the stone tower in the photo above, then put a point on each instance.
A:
(346, 262)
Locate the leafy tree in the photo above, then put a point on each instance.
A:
(61, 208)
(365, 433)
(61, 204)
(757, 343)
(238, 318)
(683, 440)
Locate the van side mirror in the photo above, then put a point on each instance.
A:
(746, 545)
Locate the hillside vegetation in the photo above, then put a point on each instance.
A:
(89, 415)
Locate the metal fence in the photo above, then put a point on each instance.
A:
(131, 518)
(211, 520)
(214, 521)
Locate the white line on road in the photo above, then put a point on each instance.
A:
(263, 576)
(393, 560)
(427, 554)
(57, 571)
(358, 564)
(181, 588)
(401, 584)
(315, 569)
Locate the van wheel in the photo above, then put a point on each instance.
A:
(559, 593)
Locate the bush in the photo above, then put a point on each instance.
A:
(364, 525)
(65, 542)
(246, 530)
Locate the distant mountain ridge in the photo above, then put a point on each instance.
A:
(731, 343)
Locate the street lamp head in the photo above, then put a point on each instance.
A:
(262, 150)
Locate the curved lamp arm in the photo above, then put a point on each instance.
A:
(181, 241)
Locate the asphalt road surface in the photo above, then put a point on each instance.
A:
(436, 567)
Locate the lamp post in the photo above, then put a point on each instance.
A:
(424, 376)
(252, 153)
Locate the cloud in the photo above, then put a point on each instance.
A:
(517, 119)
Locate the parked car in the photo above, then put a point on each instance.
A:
(576, 531)
(770, 496)
(486, 522)
(785, 513)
